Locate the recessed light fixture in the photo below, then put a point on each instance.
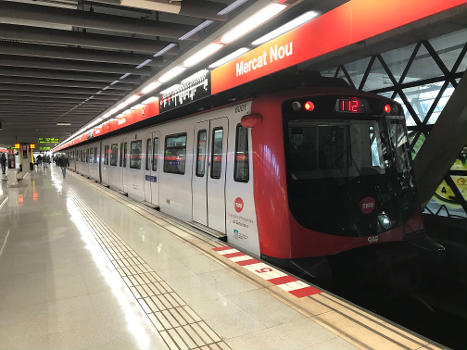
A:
(63, 123)
(307, 16)
(252, 22)
(230, 57)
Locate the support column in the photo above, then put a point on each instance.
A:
(442, 145)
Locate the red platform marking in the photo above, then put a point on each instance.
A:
(304, 292)
(218, 249)
(233, 255)
(282, 280)
(247, 262)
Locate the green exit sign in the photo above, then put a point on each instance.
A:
(44, 148)
(48, 140)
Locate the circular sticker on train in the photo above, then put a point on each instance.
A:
(238, 204)
(367, 205)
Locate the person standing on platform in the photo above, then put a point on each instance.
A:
(3, 163)
(62, 162)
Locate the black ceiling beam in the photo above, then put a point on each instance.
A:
(51, 74)
(60, 90)
(64, 83)
(40, 100)
(93, 20)
(79, 54)
(55, 96)
(81, 39)
(56, 64)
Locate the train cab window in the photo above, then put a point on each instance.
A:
(114, 154)
(148, 154)
(216, 153)
(174, 157)
(136, 150)
(95, 154)
(121, 155)
(106, 155)
(201, 153)
(125, 152)
(241, 164)
(155, 150)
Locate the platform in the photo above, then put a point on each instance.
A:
(83, 267)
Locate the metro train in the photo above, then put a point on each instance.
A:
(290, 176)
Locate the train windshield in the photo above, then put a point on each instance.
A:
(321, 149)
(349, 176)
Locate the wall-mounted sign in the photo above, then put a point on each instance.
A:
(48, 140)
(191, 89)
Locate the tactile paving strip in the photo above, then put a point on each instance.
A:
(180, 327)
(282, 280)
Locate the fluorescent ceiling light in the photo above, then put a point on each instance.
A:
(139, 105)
(252, 22)
(63, 123)
(286, 27)
(142, 64)
(177, 70)
(164, 50)
(196, 30)
(230, 57)
(202, 54)
(231, 7)
(152, 86)
(149, 100)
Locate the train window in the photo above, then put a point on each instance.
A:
(148, 153)
(155, 150)
(216, 153)
(91, 155)
(125, 151)
(136, 149)
(241, 164)
(121, 155)
(95, 154)
(201, 153)
(106, 155)
(114, 154)
(175, 150)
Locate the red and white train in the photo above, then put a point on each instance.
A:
(298, 174)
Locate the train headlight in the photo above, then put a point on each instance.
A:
(384, 221)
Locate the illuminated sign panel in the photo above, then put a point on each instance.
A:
(48, 140)
(44, 148)
(191, 89)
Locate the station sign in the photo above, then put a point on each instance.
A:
(48, 140)
(191, 89)
(355, 21)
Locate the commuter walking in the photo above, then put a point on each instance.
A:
(62, 162)
(46, 161)
(3, 163)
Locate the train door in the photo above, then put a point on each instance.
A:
(151, 175)
(147, 168)
(124, 159)
(105, 164)
(209, 173)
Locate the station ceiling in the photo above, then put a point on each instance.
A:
(67, 61)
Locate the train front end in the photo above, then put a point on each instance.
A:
(348, 183)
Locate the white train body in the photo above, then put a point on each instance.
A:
(205, 194)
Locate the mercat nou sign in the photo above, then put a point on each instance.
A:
(48, 140)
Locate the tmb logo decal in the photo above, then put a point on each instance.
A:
(238, 204)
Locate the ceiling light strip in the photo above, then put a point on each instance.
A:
(196, 29)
